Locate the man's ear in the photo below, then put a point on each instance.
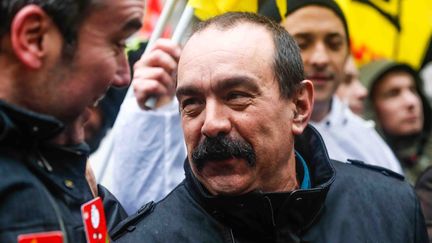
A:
(303, 101)
(28, 29)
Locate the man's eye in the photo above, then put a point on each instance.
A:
(238, 100)
(119, 47)
(413, 89)
(121, 44)
(303, 42)
(303, 45)
(236, 95)
(191, 106)
(348, 80)
(335, 45)
(188, 102)
(392, 93)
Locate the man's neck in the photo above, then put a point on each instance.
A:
(7, 81)
(287, 178)
(320, 110)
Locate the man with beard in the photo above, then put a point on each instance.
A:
(255, 170)
(57, 59)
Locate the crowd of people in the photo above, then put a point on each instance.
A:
(264, 130)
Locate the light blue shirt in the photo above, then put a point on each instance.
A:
(348, 136)
(148, 151)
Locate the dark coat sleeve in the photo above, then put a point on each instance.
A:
(114, 211)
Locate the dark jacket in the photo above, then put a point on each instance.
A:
(347, 203)
(42, 186)
(423, 188)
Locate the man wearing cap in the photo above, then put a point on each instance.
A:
(255, 170)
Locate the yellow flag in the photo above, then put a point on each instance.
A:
(282, 7)
(205, 9)
(394, 29)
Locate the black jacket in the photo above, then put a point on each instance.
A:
(347, 203)
(42, 186)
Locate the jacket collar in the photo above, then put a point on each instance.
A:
(18, 125)
(253, 216)
(63, 166)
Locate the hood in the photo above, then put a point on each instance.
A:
(372, 72)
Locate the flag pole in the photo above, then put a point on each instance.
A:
(183, 24)
(179, 32)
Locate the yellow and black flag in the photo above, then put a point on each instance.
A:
(396, 29)
(205, 9)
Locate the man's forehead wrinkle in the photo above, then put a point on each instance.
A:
(216, 62)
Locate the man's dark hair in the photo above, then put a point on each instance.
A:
(66, 14)
(288, 65)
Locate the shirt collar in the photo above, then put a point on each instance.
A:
(305, 184)
(338, 115)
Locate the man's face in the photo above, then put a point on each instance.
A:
(322, 40)
(398, 105)
(351, 90)
(99, 59)
(238, 129)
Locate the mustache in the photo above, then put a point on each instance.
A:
(220, 148)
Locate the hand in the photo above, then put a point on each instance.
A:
(154, 73)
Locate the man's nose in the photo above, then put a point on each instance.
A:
(122, 77)
(216, 121)
(411, 99)
(319, 56)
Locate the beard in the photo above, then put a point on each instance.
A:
(221, 148)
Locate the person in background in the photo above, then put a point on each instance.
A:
(401, 112)
(423, 188)
(102, 117)
(57, 58)
(426, 76)
(321, 31)
(148, 149)
(351, 91)
(255, 170)
(156, 157)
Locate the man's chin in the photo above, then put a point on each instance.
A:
(227, 186)
(226, 180)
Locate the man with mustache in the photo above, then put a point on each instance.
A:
(57, 59)
(221, 148)
(255, 170)
(157, 160)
